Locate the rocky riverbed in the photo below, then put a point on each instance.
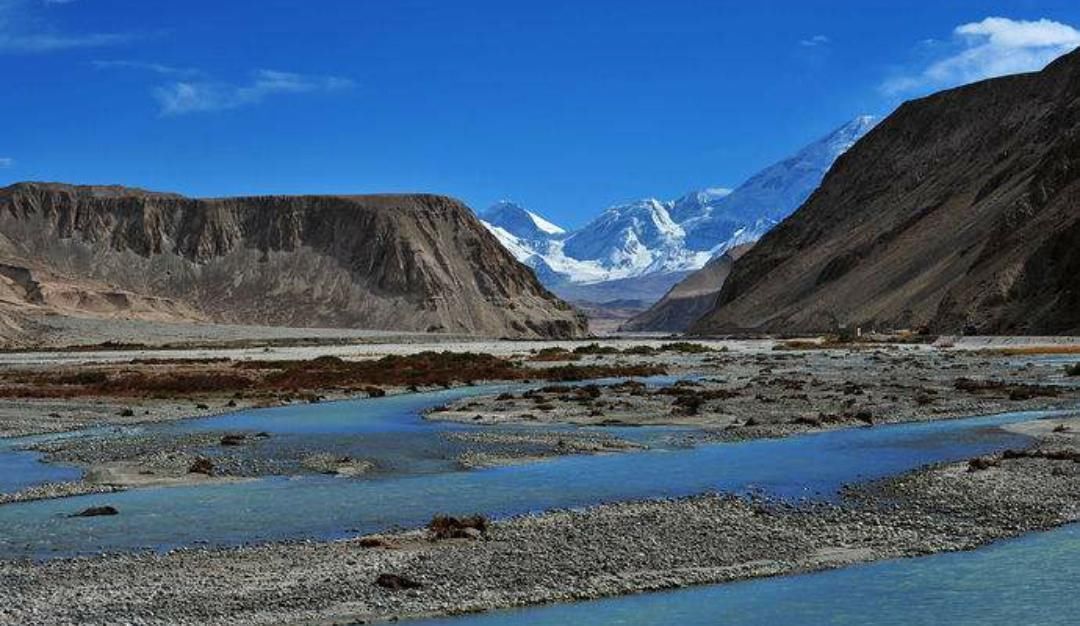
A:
(562, 555)
(730, 394)
(53, 392)
(114, 461)
(774, 393)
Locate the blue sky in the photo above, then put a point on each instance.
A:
(566, 107)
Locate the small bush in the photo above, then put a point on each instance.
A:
(203, 466)
(373, 542)
(555, 354)
(685, 347)
(864, 416)
(688, 403)
(633, 387)
(982, 463)
(83, 378)
(570, 373)
(233, 439)
(394, 582)
(595, 348)
(449, 527)
(591, 392)
(374, 392)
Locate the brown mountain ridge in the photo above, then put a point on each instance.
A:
(689, 299)
(387, 262)
(959, 212)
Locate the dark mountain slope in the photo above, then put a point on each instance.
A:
(960, 210)
(687, 301)
(395, 262)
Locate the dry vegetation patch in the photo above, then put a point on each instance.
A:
(1035, 350)
(188, 378)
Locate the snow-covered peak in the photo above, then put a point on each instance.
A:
(520, 222)
(822, 153)
(513, 244)
(633, 239)
(774, 192)
(696, 203)
(652, 236)
(709, 194)
(647, 213)
(545, 225)
(623, 228)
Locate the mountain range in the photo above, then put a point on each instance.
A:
(663, 241)
(960, 212)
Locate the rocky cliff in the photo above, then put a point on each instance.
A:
(959, 212)
(393, 262)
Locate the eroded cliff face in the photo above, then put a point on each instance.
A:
(960, 211)
(387, 262)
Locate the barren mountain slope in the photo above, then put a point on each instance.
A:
(959, 211)
(395, 262)
(691, 298)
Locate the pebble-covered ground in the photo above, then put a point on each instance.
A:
(771, 393)
(560, 556)
(116, 461)
(733, 393)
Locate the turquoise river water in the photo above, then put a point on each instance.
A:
(1030, 580)
(418, 478)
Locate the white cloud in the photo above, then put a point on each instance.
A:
(22, 31)
(996, 46)
(183, 97)
(156, 68)
(816, 40)
(42, 42)
(6, 162)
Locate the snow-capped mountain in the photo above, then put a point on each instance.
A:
(695, 202)
(652, 237)
(634, 239)
(524, 224)
(538, 243)
(775, 192)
